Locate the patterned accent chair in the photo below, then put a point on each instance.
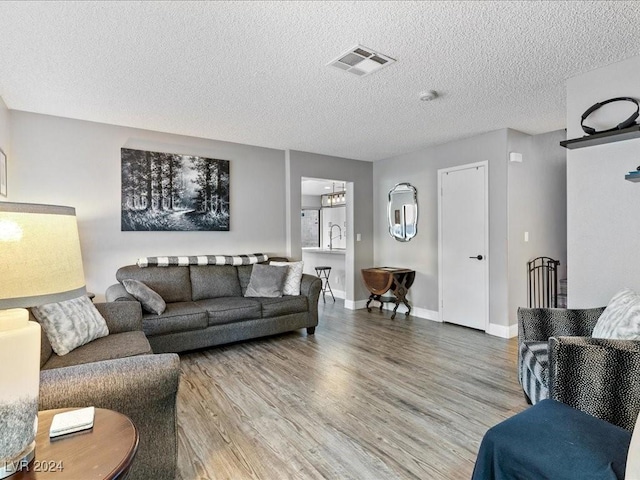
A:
(558, 359)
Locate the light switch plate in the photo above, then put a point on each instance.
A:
(515, 157)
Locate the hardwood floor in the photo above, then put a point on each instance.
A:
(366, 397)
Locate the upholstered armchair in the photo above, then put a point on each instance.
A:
(558, 359)
(119, 372)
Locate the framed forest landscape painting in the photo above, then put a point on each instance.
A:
(172, 192)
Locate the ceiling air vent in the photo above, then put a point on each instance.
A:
(361, 61)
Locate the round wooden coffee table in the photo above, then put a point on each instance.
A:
(104, 452)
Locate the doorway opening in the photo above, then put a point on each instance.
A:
(326, 230)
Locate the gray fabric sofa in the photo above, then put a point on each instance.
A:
(117, 372)
(206, 306)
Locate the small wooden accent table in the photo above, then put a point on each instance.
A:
(379, 280)
(104, 452)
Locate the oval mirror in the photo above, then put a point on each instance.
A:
(403, 212)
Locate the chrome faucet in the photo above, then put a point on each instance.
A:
(331, 237)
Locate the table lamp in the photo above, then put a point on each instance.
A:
(40, 262)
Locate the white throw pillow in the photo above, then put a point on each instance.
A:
(294, 277)
(621, 319)
(71, 323)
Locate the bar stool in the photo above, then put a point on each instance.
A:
(323, 273)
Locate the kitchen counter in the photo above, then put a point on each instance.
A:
(335, 251)
(323, 257)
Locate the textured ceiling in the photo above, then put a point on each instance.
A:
(254, 72)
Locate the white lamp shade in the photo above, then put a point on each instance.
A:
(40, 257)
(40, 262)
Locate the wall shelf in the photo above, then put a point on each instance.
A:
(602, 138)
(632, 178)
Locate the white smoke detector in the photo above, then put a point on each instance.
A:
(361, 61)
(428, 96)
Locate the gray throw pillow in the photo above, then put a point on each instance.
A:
(294, 277)
(149, 299)
(71, 323)
(266, 281)
(621, 319)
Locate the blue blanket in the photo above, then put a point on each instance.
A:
(553, 441)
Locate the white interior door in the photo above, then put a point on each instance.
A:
(463, 245)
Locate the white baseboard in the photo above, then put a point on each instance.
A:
(357, 305)
(503, 331)
(433, 315)
(495, 330)
(336, 294)
(415, 311)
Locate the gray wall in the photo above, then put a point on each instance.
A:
(537, 205)
(530, 195)
(77, 163)
(421, 170)
(5, 141)
(312, 201)
(359, 211)
(603, 214)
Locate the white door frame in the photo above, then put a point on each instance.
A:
(441, 172)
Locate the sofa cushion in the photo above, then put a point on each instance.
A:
(178, 317)
(118, 345)
(171, 283)
(213, 281)
(266, 281)
(70, 323)
(274, 307)
(150, 300)
(231, 309)
(244, 275)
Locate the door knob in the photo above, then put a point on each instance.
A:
(478, 257)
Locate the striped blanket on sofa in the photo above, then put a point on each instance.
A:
(184, 261)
